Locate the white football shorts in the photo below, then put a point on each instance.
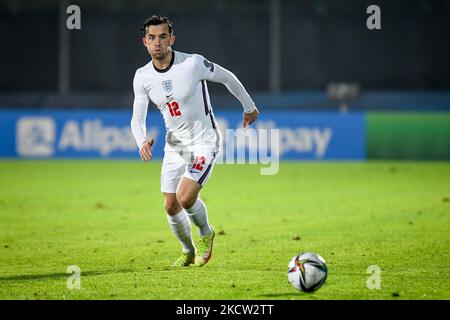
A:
(196, 165)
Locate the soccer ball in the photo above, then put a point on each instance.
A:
(307, 271)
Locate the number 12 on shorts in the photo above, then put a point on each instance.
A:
(198, 163)
(174, 108)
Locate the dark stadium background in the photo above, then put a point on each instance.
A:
(319, 42)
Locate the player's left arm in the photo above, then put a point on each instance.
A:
(216, 73)
(249, 118)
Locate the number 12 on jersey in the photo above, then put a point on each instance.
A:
(174, 108)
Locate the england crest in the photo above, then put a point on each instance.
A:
(167, 85)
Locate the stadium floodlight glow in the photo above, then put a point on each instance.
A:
(343, 93)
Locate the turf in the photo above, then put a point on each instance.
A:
(107, 218)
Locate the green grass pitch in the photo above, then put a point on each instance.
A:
(107, 218)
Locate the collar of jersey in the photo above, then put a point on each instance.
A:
(168, 67)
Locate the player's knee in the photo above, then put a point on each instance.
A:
(186, 200)
(172, 207)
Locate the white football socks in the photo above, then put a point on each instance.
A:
(199, 216)
(181, 228)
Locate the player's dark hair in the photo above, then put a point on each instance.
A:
(156, 21)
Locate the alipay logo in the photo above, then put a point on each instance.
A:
(35, 136)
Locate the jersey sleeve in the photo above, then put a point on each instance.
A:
(215, 73)
(140, 105)
(204, 69)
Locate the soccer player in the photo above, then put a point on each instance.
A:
(176, 83)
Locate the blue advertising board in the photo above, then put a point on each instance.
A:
(107, 134)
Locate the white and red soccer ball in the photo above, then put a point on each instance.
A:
(307, 271)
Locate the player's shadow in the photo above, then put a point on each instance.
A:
(58, 275)
(280, 295)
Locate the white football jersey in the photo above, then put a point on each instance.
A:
(181, 95)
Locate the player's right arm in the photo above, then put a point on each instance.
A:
(138, 125)
(145, 151)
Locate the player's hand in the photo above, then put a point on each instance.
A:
(249, 118)
(146, 150)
